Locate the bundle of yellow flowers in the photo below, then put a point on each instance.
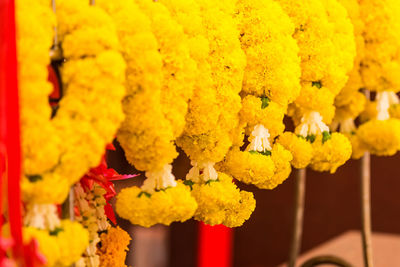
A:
(325, 36)
(62, 246)
(220, 201)
(164, 205)
(271, 81)
(227, 62)
(163, 89)
(380, 69)
(89, 112)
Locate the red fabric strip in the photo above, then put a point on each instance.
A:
(10, 127)
(215, 246)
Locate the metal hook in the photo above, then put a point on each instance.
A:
(328, 259)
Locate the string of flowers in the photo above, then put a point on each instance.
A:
(89, 112)
(219, 200)
(380, 68)
(350, 102)
(159, 33)
(327, 51)
(271, 81)
(82, 125)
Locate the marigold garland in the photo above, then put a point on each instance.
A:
(85, 122)
(325, 36)
(380, 69)
(145, 134)
(271, 51)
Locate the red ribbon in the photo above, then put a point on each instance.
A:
(6, 244)
(10, 128)
(103, 176)
(214, 246)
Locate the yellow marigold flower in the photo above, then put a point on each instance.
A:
(281, 158)
(313, 98)
(330, 151)
(381, 64)
(241, 211)
(299, 147)
(48, 245)
(273, 68)
(381, 137)
(114, 245)
(394, 111)
(179, 69)
(250, 167)
(256, 110)
(221, 202)
(135, 206)
(142, 208)
(370, 111)
(49, 188)
(207, 147)
(358, 148)
(71, 240)
(350, 108)
(177, 201)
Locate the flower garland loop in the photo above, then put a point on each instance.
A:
(89, 112)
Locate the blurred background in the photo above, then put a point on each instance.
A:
(332, 220)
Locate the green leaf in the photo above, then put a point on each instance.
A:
(144, 193)
(35, 178)
(265, 102)
(317, 84)
(311, 138)
(211, 181)
(265, 153)
(189, 183)
(56, 231)
(302, 137)
(326, 136)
